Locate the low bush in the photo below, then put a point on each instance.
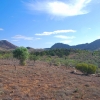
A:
(57, 64)
(70, 63)
(86, 68)
(33, 57)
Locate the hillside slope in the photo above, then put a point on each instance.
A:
(4, 44)
(95, 45)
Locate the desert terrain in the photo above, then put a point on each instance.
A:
(40, 81)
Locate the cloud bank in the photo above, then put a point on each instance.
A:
(22, 37)
(64, 37)
(55, 32)
(66, 41)
(60, 8)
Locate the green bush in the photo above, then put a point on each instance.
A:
(21, 53)
(92, 69)
(86, 68)
(33, 57)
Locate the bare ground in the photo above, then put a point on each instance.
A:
(43, 82)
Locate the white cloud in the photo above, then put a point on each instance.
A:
(55, 32)
(21, 37)
(18, 37)
(60, 8)
(64, 37)
(37, 38)
(66, 41)
(1, 29)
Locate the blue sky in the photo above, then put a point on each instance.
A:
(42, 23)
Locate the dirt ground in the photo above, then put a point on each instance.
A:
(43, 82)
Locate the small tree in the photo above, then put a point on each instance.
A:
(21, 53)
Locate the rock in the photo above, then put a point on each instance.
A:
(74, 71)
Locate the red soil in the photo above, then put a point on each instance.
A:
(43, 82)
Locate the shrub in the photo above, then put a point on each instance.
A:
(57, 63)
(21, 54)
(33, 57)
(70, 63)
(86, 68)
(91, 69)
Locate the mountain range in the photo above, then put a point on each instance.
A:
(95, 45)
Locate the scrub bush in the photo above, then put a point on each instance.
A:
(86, 68)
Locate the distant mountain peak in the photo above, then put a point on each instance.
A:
(95, 45)
(7, 45)
(60, 45)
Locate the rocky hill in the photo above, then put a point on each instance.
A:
(95, 45)
(4, 44)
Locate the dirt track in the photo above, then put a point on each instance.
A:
(43, 82)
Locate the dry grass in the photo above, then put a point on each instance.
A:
(43, 82)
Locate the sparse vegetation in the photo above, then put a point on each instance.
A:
(21, 54)
(46, 80)
(33, 57)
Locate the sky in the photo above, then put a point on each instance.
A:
(42, 23)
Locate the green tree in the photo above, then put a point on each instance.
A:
(21, 53)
